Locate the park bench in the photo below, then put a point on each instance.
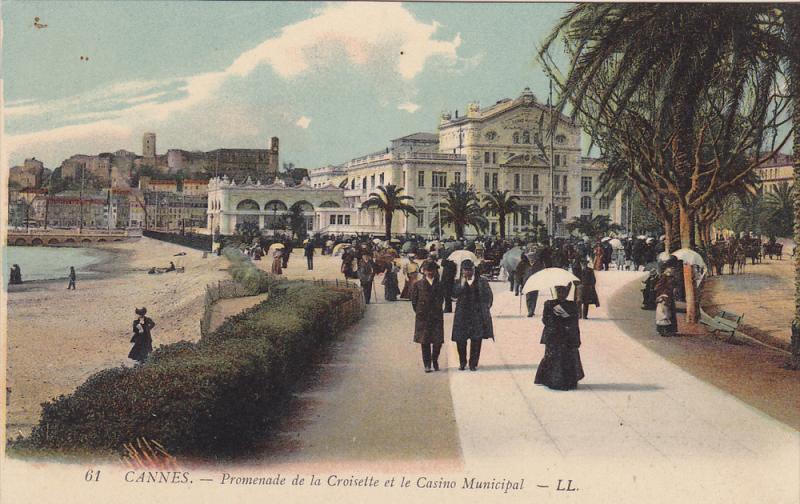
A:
(726, 322)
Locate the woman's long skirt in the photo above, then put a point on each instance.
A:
(560, 368)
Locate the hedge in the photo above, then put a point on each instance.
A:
(207, 399)
(242, 269)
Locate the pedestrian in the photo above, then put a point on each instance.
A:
(366, 275)
(391, 287)
(276, 261)
(309, 253)
(588, 289)
(16, 275)
(411, 272)
(71, 278)
(448, 280)
(598, 256)
(532, 297)
(426, 300)
(142, 339)
(560, 368)
(287, 251)
(665, 292)
(472, 321)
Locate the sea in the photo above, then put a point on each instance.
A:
(47, 263)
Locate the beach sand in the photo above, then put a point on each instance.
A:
(58, 338)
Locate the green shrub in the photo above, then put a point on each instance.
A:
(246, 273)
(205, 399)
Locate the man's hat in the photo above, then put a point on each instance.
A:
(141, 311)
(467, 264)
(430, 265)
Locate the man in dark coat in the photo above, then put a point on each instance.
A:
(287, 251)
(588, 289)
(521, 274)
(309, 253)
(532, 298)
(366, 274)
(426, 300)
(472, 321)
(561, 367)
(142, 340)
(448, 279)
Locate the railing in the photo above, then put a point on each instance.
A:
(437, 156)
(74, 231)
(224, 289)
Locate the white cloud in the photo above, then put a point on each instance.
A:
(368, 35)
(366, 32)
(408, 107)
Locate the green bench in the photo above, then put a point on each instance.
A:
(726, 322)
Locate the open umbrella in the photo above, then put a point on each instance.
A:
(606, 239)
(460, 256)
(689, 256)
(434, 242)
(511, 259)
(339, 248)
(275, 246)
(614, 242)
(547, 279)
(376, 240)
(663, 257)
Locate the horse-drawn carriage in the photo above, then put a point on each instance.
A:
(773, 249)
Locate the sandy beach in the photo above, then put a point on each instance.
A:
(58, 338)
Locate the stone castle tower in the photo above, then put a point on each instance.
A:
(149, 145)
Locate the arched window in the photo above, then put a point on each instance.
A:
(515, 137)
(275, 206)
(305, 206)
(329, 204)
(247, 204)
(586, 203)
(526, 137)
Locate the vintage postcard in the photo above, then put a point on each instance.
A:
(400, 252)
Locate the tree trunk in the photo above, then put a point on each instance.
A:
(502, 226)
(668, 232)
(792, 22)
(388, 221)
(685, 221)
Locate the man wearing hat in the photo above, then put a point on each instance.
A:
(309, 253)
(426, 300)
(366, 274)
(448, 278)
(472, 321)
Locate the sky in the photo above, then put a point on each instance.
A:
(332, 80)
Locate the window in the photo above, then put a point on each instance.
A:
(563, 212)
(439, 180)
(526, 215)
(603, 203)
(536, 182)
(526, 137)
(486, 181)
(364, 183)
(486, 157)
(457, 177)
(555, 183)
(515, 219)
(557, 160)
(420, 218)
(516, 181)
(372, 182)
(339, 219)
(586, 184)
(421, 179)
(347, 219)
(564, 183)
(382, 180)
(515, 138)
(586, 203)
(494, 157)
(494, 181)
(353, 184)
(494, 228)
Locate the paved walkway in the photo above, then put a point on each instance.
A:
(638, 429)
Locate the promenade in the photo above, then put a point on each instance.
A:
(638, 429)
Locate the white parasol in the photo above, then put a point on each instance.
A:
(547, 279)
(689, 256)
(614, 242)
(459, 256)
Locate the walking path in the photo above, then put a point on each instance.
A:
(224, 308)
(638, 429)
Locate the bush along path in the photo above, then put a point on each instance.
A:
(207, 399)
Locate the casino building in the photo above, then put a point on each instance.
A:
(493, 148)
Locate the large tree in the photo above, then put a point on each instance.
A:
(791, 16)
(389, 200)
(699, 79)
(460, 209)
(501, 204)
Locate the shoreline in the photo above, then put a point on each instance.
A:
(57, 338)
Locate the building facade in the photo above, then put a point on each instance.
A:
(778, 170)
(497, 148)
(267, 206)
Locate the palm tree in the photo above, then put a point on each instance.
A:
(503, 205)
(389, 200)
(779, 204)
(704, 101)
(592, 226)
(460, 208)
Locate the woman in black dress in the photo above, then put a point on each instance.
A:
(561, 367)
(142, 340)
